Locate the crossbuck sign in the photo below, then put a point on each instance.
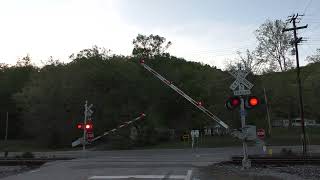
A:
(241, 83)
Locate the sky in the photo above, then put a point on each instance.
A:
(207, 31)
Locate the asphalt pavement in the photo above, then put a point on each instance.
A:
(134, 164)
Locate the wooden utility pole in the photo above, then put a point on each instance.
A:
(293, 19)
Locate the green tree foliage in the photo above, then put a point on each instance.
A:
(150, 46)
(314, 58)
(273, 46)
(52, 101)
(12, 80)
(247, 60)
(48, 102)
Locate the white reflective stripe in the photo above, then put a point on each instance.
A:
(98, 137)
(140, 177)
(113, 130)
(121, 126)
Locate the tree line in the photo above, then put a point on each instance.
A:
(45, 104)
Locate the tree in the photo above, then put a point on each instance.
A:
(247, 61)
(94, 52)
(273, 46)
(314, 58)
(25, 61)
(150, 46)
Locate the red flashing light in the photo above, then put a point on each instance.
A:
(235, 101)
(141, 61)
(79, 126)
(253, 101)
(199, 103)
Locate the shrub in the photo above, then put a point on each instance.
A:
(27, 155)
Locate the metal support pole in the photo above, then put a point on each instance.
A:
(246, 163)
(84, 126)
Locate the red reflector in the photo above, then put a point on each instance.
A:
(79, 126)
(141, 61)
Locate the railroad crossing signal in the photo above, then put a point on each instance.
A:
(88, 126)
(249, 103)
(241, 83)
(89, 111)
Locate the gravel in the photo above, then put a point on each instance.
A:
(235, 172)
(13, 170)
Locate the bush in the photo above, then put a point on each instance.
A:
(285, 151)
(27, 155)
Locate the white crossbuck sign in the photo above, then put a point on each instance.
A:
(240, 82)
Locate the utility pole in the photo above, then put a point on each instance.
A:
(268, 113)
(293, 19)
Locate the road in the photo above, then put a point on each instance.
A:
(174, 163)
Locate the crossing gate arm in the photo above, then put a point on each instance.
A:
(119, 127)
(192, 101)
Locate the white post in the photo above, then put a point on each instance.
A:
(84, 126)
(246, 163)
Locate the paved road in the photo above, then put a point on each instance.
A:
(172, 163)
(155, 163)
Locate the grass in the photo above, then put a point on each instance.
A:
(292, 136)
(205, 142)
(280, 136)
(20, 146)
(27, 146)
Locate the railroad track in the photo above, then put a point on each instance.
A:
(278, 159)
(28, 161)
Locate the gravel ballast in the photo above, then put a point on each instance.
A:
(13, 170)
(235, 172)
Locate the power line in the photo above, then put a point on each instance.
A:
(247, 45)
(307, 6)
